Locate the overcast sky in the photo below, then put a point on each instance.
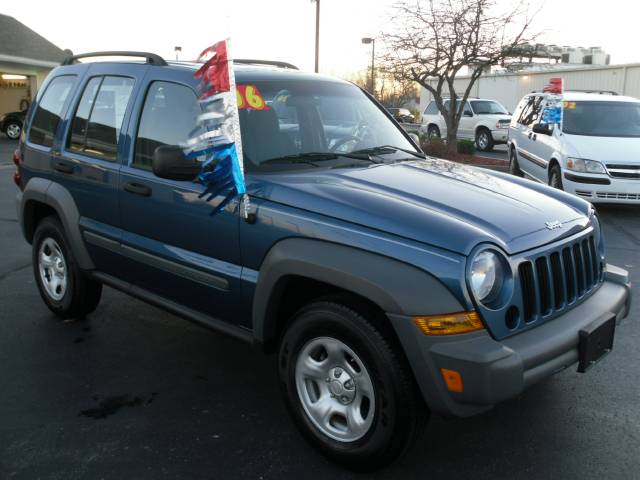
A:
(284, 29)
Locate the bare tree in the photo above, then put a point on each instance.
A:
(431, 41)
(395, 92)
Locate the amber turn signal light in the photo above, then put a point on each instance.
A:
(453, 379)
(449, 324)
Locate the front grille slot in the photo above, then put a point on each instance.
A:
(525, 271)
(558, 280)
(544, 285)
(552, 281)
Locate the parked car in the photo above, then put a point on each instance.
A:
(388, 284)
(484, 121)
(11, 124)
(594, 153)
(402, 115)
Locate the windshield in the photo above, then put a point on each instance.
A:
(601, 119)
(486, 107)
(312, 117)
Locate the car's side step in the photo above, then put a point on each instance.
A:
(221, 326)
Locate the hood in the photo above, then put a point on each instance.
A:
(495, 116)
(441, 203)
(604, 149)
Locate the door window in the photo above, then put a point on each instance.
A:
(531, 111)
(432, 108)
(95, 130)
(169, 117)
(50, 108)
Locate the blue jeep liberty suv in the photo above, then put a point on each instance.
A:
(388, 284)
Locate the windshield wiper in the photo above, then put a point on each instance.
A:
(312, 157)
(385, 149)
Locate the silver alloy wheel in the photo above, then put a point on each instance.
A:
(335, 389)
(483, 140)
(53, 269)
(13, 131)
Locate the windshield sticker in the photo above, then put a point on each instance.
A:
(250, 98)
(219, 148)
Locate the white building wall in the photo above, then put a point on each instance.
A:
(508, 89)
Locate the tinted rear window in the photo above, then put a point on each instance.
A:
(96, 125)
(50, 108)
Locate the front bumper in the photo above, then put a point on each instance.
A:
(618, 190)
(493, 371)
(500, 135)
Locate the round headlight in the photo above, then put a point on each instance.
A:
(485, 275)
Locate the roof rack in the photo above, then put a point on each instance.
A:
(573, 90)
(151, 58)
(273, 63)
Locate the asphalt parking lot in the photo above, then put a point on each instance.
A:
(133, 392)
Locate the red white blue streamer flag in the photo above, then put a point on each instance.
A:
(552, 109)
(219, 140)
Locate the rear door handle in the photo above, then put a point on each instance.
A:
(138, 189)
(62, 167)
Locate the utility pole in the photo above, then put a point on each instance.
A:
(372, 41)
(317, 35)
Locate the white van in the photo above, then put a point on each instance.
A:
(594, 153)
(483, 121)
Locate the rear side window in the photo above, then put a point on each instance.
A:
(47, 117)
(432, 108)
(531, 111)
(96, 125)
(169, 117)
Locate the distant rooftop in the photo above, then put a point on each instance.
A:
(20, 44)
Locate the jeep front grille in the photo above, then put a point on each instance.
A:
(559, 278)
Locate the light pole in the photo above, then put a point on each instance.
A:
(177, 50)
(372, 41)
(317, 34)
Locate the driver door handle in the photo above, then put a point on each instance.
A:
(138, 189)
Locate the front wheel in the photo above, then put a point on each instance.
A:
(346, 387)
(13, 130)
(555, 177)
(433, 132)
(484, 140)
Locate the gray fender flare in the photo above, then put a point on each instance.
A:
(396, 287)
(57, 197)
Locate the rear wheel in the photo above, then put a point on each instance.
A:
(555, 177)
(484, 140)
(64, 288)
(514, 167)
(346, 387)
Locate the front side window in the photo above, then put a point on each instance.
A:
(309, 117)
(47, 116)
(487, 107)
(169, 117)
(601, 119)
(95, 129)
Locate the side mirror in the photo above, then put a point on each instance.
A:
(467, 113)
(169, 162)
(542, 128)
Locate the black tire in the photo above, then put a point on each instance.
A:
(82, 294)
(555, 177)
(13, 130)
(399, 414)
(433, 132)
(484, 140)
(514, 167)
